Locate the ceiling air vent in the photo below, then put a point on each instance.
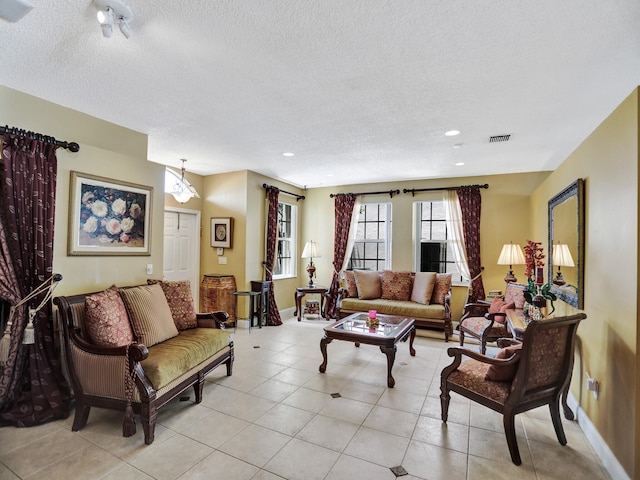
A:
(499, 138)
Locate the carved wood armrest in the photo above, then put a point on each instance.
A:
(507, 342)
(458, 352)
(476, 309)
(212, 319)
(137, 351)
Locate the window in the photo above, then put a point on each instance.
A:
(372, 246)
(173, 180)
(286, 247)
(433, 252)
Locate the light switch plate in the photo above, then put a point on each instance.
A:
(220, 251)
(222, 260)
(149, 268)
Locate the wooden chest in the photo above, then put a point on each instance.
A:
(214, 294)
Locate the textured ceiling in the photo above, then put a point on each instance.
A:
(360, 90)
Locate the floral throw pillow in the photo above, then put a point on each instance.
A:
(396, 285)
(106, 320)
(500, 306)
(504, 373)
(180, 302)
(441, 288)
(350, 282)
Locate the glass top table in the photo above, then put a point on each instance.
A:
(390, 330)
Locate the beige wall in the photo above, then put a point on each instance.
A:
(107, 150)
(608, 162)
(240, 195)
(505, 218)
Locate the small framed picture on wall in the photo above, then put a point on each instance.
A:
(222, 232)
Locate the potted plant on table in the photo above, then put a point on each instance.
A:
(537, 292)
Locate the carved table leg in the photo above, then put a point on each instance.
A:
(323, 348)
(412, 350)
(390, 352)
(298, 311)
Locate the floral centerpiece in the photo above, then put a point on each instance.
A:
(537, 292)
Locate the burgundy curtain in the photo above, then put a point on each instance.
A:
(344, 210)
(470, 201)
(269, 262)
(32, 387)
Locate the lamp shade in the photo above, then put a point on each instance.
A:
(562, 256)
(511, 255)
(182, 196)
(311, 250)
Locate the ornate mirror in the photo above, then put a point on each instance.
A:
(566, 244)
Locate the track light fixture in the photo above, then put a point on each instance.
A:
(110, 12)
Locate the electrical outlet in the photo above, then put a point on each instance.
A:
(220, 251)
(593, 386)
(149, 268)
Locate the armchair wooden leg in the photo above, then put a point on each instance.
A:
(81, 416)
(510, 431)
(554, 408)
(461, 335)
(444, 403)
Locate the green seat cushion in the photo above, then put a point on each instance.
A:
(173, 357)
(394, 307)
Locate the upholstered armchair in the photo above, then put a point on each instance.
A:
(521, 377)
(486, 321)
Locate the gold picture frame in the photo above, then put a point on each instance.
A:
(108, 217)
(222, 232)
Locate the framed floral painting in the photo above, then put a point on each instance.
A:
(108, 217)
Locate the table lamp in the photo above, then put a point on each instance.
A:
(561, 258)
(511, 255)
(311, 251)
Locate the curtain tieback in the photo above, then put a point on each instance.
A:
(266, 267)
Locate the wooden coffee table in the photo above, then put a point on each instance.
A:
(391, 330)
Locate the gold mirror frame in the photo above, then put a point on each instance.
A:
(574, 297)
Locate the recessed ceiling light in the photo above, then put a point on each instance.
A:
(459, 164)
(457, 145)
(288, 154)
(452, 133)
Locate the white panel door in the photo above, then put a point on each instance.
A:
(181, 248)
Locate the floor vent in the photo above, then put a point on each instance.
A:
(499, 138)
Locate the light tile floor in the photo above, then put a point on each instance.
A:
(275, 418)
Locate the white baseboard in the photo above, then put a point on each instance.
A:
(603, 451)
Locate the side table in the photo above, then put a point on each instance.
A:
(302, 291)
(262, 305)
(252, 311)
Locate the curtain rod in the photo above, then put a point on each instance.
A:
(414, 190)
(298, 197)
(72, 146)
(388, 192)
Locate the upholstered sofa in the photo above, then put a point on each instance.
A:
(423, 296)
(136, 348)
